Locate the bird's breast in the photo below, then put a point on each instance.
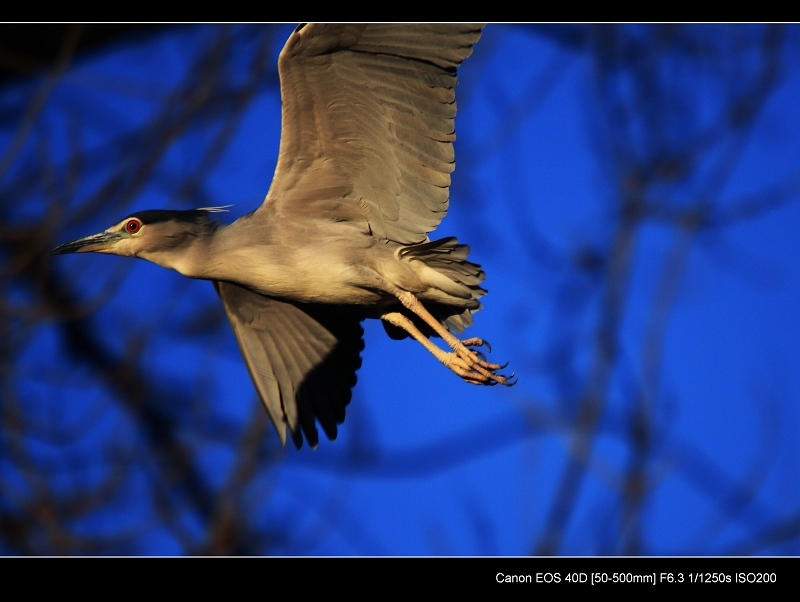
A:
(308, 273)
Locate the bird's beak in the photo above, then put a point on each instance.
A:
(100, 243)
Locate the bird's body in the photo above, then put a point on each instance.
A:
(324, 270)
(337, 265)
(362, 177)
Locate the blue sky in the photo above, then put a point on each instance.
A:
(693, 449)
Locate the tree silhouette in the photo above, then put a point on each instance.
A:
(128, 424)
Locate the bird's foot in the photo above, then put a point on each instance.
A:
(475, 372)
(471, 365)
(476, 342)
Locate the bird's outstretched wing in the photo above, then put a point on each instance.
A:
(367, 133)
(302, 358)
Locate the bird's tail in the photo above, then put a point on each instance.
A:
(454, 275)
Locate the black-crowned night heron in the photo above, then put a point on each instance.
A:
(362, 178)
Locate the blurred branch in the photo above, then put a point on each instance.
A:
(40, 99)
(177, 482)
(644, 156)
(204, 476)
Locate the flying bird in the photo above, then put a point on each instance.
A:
(362, 178)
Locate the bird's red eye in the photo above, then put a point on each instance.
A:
(133, 226)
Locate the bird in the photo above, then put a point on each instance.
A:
(362, 178)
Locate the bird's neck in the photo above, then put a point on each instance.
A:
(189, 258)
(250, 254)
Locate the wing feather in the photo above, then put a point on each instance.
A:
(302, 359)
(368, 126)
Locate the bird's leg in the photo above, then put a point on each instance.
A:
(470, 366)
(460, 349)
(451, 360)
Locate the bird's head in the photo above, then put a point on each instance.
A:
(156, 235)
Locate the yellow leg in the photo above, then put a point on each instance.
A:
(473, 371)
(468, 355)
(467, 363)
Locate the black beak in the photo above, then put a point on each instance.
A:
(96, 242)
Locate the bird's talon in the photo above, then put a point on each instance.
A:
(476, 342)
